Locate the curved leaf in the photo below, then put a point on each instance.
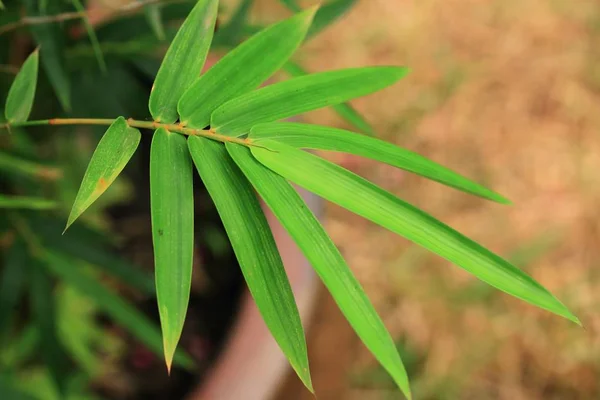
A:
(172, 207)
(243, 69)
(354, 193)
(254, 248)
(112, 154)
(307, 232)
(22, 91)
(299, 95)
(183, 62)
(324, 138)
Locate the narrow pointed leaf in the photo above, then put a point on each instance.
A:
(184, 61)
(92, 35)
(243, 69)
(154, 18)
(354, 193)
(172, 207)
(114, 305)
(22, 91)
(299, 95)
(20, 167)
(254, 248)
(291, 4)
(308, 136)
(52, 349)
(318, 248)
(344, 110)
(26, 203)
(50, 38)
(114, 151)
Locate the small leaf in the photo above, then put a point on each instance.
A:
(344, 110)
(42, 303)
(114, 151)
(307, 232)
(154, 18)
(22, 92)
(324, 138)
(183, 62)
(354, 193)
(111, 303)
(254, 248)
(172, 207)
(92, 34)
(299, 95)
(26, 203)
(243, 69)
(291, 4)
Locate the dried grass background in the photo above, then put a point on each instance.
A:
(506, 92)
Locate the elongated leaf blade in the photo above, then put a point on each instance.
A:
(172, 206)
(184, 61)
(114, 305)
(243, 69)
(17, 166)
(314, 242)
(299, 95)
(22, 91)
(112, 154)
(154, 17)
(255, 249)
(92, 35)
(308, 136)
(344, 110)
(26, 203)
(50, 39)
(354, 193)
(42, 303)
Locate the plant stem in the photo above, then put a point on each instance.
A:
(207, 133)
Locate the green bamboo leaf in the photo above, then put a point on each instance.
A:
(154, 18)
(12, 282)
(314, 242)
(324, 138)
(254, 248)
(354, 193)
(111, 303)
(92, 34)
(291, 4)
(114, 151)
(243, 69)
(42, 303)
(50, 38)
(299, 95)
(184, 61)
(329, 13)
(22, 92)
(26, 203)
(172, 205)
(344, 110)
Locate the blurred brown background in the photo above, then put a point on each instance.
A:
(506, 92)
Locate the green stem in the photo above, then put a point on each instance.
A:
(207, 133)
